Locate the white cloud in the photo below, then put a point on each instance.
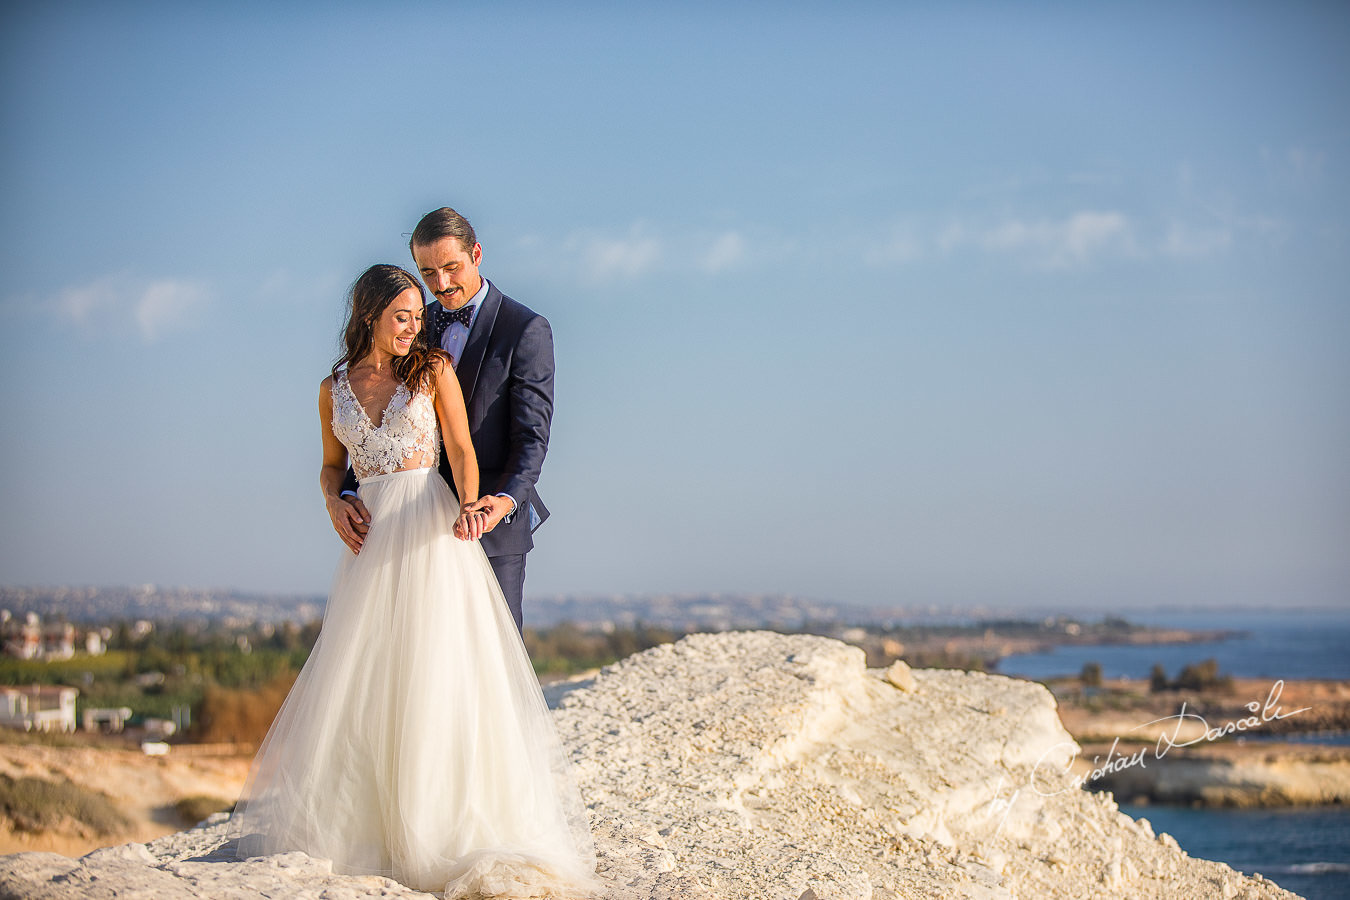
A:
(1300, 167)
(609, 259)
(901, 246)
(1086, 232)
(1072, 241)
(154, 308)
(952, 235)
(1307, 165)
(1190, 241)
(168, 305)
(725, 252)
(1077, 239)
(81, 304)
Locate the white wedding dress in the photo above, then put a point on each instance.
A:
(416, 743)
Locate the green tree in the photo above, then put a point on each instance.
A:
(1092, 675)
(1202, 676)
(1157, 679)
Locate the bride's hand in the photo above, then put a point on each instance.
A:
(469, 525)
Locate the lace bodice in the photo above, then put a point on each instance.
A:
(407, 437)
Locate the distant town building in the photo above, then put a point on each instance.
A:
(29, 638)
(159, 729)
(38, 708)
(107, 719)
(148, 679)
(22, 639)
(58, 641)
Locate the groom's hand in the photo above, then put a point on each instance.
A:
(497, 508)
(351, 520)
(469, 525)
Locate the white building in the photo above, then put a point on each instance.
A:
(109, 719)
(28, 638)
(38, 708)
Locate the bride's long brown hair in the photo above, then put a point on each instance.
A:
(375, 289)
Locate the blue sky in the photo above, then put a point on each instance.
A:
(916, 303)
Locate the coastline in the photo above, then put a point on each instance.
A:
(1223, 747)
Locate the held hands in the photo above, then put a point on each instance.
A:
(478, 518)
(497, 508)
(351, 520)
(469, 525)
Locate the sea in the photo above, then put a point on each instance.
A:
(1304, 850)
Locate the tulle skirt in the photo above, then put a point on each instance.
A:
(416, 743)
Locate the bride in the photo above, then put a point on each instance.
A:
(416, 743)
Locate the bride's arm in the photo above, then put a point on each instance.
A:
(334, 468)
(458, 444)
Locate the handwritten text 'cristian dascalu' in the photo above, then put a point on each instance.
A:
(1261, 713)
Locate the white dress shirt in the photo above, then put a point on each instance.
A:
(456, 336)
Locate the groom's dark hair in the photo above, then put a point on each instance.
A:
(443, 223)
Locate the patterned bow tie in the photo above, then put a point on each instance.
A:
(463, 315)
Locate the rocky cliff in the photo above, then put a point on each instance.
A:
(758, 765)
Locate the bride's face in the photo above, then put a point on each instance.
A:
(398, 324)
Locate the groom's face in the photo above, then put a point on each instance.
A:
(449, 270)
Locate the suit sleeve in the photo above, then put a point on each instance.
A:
(531, 392)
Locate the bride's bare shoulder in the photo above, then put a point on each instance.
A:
(438, 361)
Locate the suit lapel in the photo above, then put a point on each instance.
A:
(472, 359)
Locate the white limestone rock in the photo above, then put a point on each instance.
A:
(901, 676)
(765, 766)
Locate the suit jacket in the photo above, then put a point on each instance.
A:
(506, 373)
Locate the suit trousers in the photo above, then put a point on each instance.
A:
(510, 570)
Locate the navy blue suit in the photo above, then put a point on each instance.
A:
(506, 373)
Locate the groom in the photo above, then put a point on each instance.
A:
(503, 356)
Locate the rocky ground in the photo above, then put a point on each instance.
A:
(758, 765)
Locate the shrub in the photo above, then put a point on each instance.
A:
(1092, 675)
(243, 716)
(197, 807)
(1157, 679)
(1203, 676)
(35, 804)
